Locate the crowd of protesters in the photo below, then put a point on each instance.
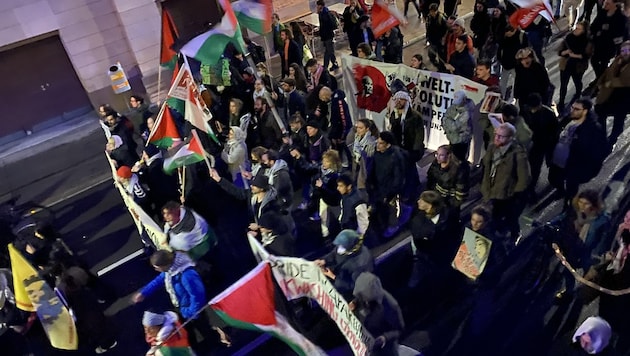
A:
(289, 150)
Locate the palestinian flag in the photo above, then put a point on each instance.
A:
(208, 47)
(168, 57)
(249, 304)
(188, 154)
(164, 132)
(255, 15)
(175, 103)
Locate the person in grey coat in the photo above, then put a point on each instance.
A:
(457, 124)
(379, 313)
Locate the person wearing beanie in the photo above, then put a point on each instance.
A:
(163, 332)
(151, 173)
(277, 171)
(346, 262)
(385, 183)
(275, 235)
(132, 186)
(317, 144)
(457, 29)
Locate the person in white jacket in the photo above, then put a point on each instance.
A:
(235, 155)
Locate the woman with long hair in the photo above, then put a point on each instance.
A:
(298, 34)
(296, 72)
(575, 51)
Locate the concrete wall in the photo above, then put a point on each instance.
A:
(95, 33)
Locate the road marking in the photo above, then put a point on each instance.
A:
(120, 262)
(80, 191)
(392, 250)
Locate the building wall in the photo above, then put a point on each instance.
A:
(95, 34)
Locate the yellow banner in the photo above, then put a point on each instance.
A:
(32, 293)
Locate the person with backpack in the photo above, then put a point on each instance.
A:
(328, 23)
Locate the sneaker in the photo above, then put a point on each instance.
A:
(100, 350)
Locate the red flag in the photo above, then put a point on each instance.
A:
(168, 57)
(524, 16)
(165, 132)
(384, 18)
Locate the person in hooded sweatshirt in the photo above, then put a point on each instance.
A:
(346, 262)
(151, 173)
(379, 313)
(457, 124)
(187, 231)
(235, 154)
(592, 337)
(275, 234)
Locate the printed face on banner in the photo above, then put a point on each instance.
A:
(373, 92)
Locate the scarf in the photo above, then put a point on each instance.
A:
(267, 238)
(181, 263)
(315, 77)
(361, 145)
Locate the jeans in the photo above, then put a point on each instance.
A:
(616, 108)
(565, 75)
(329, 53)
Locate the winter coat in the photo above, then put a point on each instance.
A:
(450, 45)
(411, 137)
(578, 45)
(608, 32)
(534, 79)
(235, 153)
(387, 176)
(436, 29)
(435, 243)
(316, 146)
(544, 127)
(350, 18)
(327, 24)
(280, 179)
(356, 37)
(453, 183)
(290, 103)
(185, 288)
(340, 117)
(393, 47)
(587, 152)
(294, 55)
(464, 64)
(616, 79)
(270, 131)
(378, 312)
(348, 266)
(512, 173)
(328, 191)
(480, 26)
(508, 46)
(164, 186)
(353, 208)
(457, 122)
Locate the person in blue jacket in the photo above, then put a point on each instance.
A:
(185, 290)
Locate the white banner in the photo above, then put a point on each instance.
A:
(369, 86)
(299, 278)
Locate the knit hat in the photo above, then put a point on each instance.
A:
(387, 137)
(509, 110)
(314, 124)
(261, 181)
(152, 319)
(459, 22)
(402, 95)
(346, 238)
(124, 172)
(151, 150)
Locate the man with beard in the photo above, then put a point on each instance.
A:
(292, 101)
(278, 177)
(614, 89)
(290, 52)
(407, 126)
(505, 177)
(270, 133)
(580, 151)
(339, 118)
(187, 231)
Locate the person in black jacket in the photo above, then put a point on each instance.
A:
(292, 101)
(385, 183)
(275, 234)
(327, 27)
(354, 212)
(351, 15)
(480, 25)
(270, 133)
(509, 44)
(392, 41)
(339, 118)
(325, 194)
(580, 152)
(530, 77)
(362, 34)
(609, 30)
(405, 118)
(164, 187)
(277, 171)
(290, 51)
(437, 28)
(461, 61)
(544, 125)
(379, 312)
(449, 176)
(318, 76)
(435, 232)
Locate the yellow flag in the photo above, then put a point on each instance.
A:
(32, 293)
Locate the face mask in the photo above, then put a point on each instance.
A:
(341, 250)
(458, 98)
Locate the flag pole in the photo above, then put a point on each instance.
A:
(267, 95)
(159, 89)
(157, 122)
(205, 154)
